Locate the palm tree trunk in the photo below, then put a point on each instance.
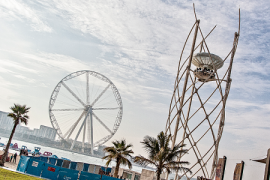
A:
(158, 175)
(3, 159)
(159, 170)
(115, 174)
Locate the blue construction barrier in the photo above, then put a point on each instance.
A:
(44, 159)
(89, 176)
(86, 167)
(50, 171)
(69, 174)
(52, 161)
(109, 169)
(59, 162)
(22, 166)
(36, 158)
(73, 165)
(103, 168)
(108, 178)
(53, 156)
(35, 167)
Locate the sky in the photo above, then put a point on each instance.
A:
(137, 44)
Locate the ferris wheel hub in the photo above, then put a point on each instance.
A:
(87, 107)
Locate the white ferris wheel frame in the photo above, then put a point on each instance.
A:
(87, 107)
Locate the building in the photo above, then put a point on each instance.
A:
(133, 175)
(5, 121)
(46, 132)
(24, 130)
(43, 132)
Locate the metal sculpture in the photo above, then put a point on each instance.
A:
(198, 103)
(85, 104)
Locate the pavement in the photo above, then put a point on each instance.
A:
(11, 165)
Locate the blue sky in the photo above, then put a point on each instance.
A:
(136, 44)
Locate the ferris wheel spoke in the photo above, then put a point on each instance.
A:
(88, 124)
(80, 129)
(102, 123)
(84, 129)
(73, 94)
(67, 109)
(87, 89)
(100, 95)
(70, 131)
(106, 108)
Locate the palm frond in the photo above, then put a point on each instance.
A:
(161, 155)
(143, 161)
(119, 152)
(19, 113)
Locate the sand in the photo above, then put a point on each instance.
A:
(12, 165)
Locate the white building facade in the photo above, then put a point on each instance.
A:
(44, 131)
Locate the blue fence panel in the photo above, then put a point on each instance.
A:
(59, 162)
(44, 159)
(36, 158)
(53, 156)
(35, 167)
(103, 168)
(108, 178)
(73, 165)
(50, 171)
(23, 163)
(86, 167)
(89, 176)
(52, 161)
(106, 170)
(109, 169)
(69, 174)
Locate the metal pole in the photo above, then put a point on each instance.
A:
(184, 89)
(224, 166)
(89, 111)
(267, 172)
(227, 90)
(91, 125)
(84, 129)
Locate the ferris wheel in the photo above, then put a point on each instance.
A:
(85, 109)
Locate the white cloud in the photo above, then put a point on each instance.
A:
(16, 9)
(16, 66)
(141, 42)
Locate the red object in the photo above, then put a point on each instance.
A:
(7, 158)
(47, 153)
(15, 145)
(51, 169)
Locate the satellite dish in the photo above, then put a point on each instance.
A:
(203, 60)
(205, 64)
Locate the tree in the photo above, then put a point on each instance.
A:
(19, 114)
(119, 152)
(161, 155)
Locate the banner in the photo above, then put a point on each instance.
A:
(238, 171)
(220, 170)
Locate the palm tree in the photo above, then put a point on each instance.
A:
(119, 152)
(161, 155)
(19, 114)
